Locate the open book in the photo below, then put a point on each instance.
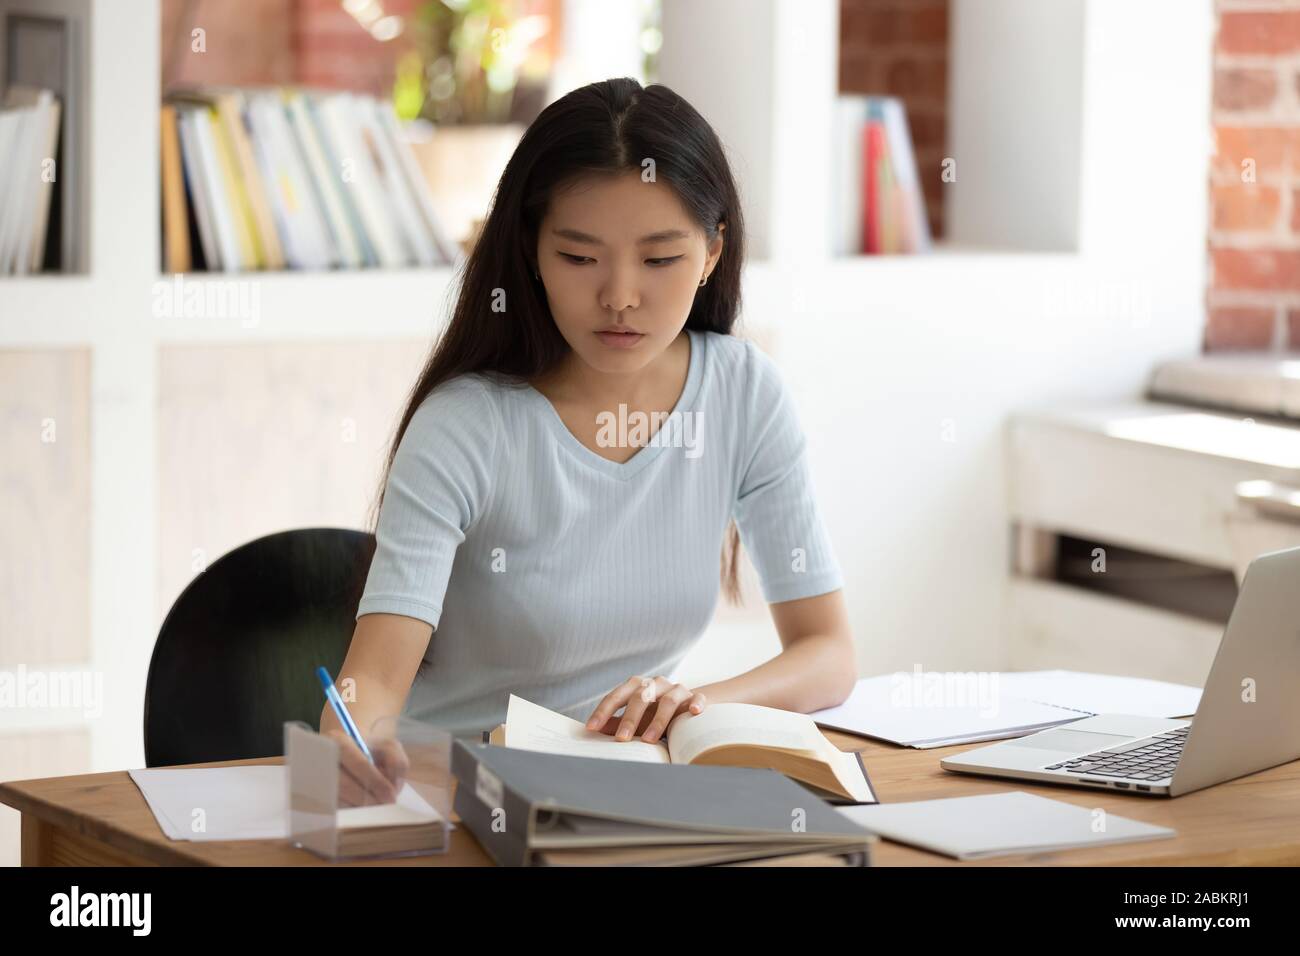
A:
(723, 735)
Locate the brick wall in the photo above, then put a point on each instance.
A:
(1253, 300)
(245, 43)
(900, 48)
(312, 43)
(332, 51)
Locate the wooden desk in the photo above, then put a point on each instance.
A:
(101, 819)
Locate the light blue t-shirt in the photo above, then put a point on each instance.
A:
(550, 572)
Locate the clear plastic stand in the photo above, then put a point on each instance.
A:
(417, 824)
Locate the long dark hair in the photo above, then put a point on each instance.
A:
(604, 128)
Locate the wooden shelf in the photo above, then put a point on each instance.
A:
(369, 303)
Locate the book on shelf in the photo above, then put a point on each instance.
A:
(176, 233)
(43, 98)
(274, 178)
(873, 149)
(723, 734)
(878, 206)
(29, 142)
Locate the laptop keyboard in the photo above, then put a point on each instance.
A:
(1152, 758)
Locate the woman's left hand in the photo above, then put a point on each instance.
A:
(649, 707)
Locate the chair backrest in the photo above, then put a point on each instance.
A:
(238, 652)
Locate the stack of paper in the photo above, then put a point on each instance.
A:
(934, 709)
(1103, 693)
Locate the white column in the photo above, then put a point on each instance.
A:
(1015, 106)
(124, 263)
(1147, 139)
(600, 40)
(764, 74)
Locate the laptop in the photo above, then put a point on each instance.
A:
(1248, 718)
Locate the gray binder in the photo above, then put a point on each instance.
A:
(520, 803)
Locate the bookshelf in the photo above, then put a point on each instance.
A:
(46, 47)
(890, 345)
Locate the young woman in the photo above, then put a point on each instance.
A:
(575, 452)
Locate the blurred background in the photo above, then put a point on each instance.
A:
(1064, 338)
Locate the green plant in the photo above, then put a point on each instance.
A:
(470, 54)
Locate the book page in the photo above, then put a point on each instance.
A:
(530, 726)
(410, 808)
(728, 724)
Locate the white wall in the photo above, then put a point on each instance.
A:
(890, 357)
(1146, 134)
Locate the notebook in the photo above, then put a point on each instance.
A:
(999, 824)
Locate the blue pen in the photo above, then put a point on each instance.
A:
(341, 710)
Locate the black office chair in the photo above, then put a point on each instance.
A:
(238, 652)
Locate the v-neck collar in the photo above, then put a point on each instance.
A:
(655, 445)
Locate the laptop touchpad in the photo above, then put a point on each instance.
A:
(1071, 741)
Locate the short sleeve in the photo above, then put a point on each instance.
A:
(775, 508)
(439, 485)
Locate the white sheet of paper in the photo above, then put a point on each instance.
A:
(1018, 703)
(530, 726)
(1103, 693)
(236, 803)
(241, 803)
(878, 708)
(998, 824)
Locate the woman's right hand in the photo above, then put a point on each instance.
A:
(362, 783)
